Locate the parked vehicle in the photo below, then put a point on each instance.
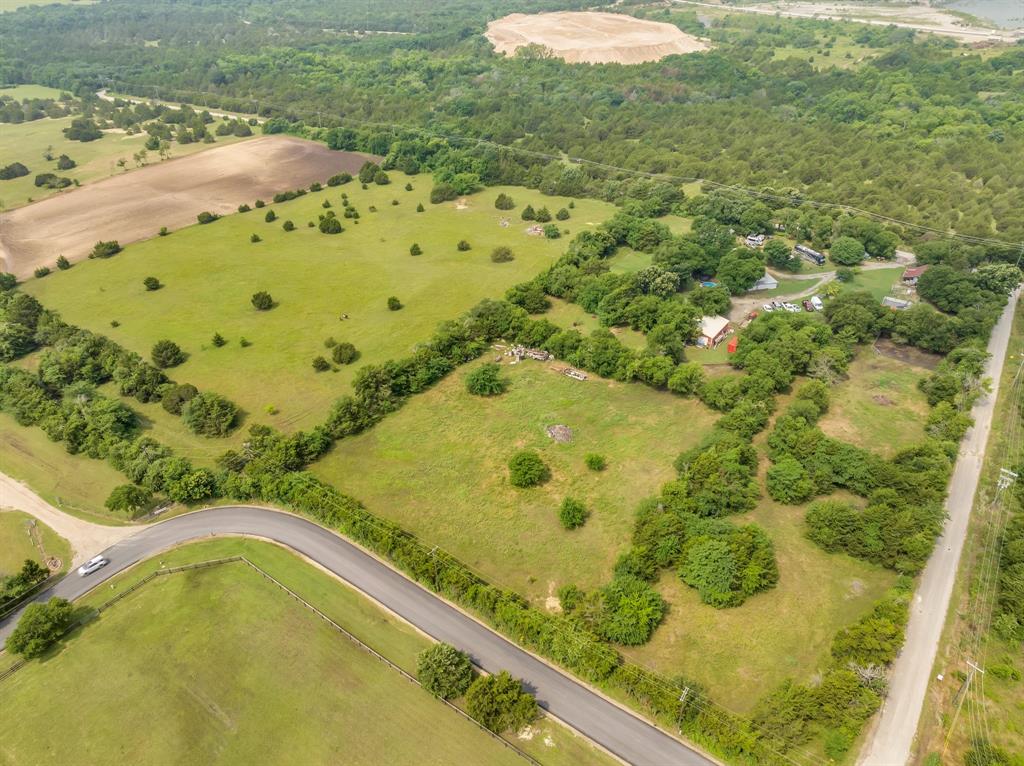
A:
(810, 254)
(807, 306)
(90, 566)
(816, 302)
(768, 307)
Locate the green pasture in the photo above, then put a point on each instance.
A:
(878, 406)
(438, 467)
(210, 272)
(221, 665)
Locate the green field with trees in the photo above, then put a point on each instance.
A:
(315, 280)
(73, 483)
(186, 642)
(30, 142)
(458, 493)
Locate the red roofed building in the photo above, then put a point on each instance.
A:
(911, 275)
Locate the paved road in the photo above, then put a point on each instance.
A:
(890, 742)
(616, 729)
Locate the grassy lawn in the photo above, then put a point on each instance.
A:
(879, 406)
(627, 261)
(878, 282)
(439, 468)
(786, 287)
(21, 92)
(571, 316)
(27, 142)
(315, 279)
(17, 543)
(291, 691)
(741, 654)
(74, 483)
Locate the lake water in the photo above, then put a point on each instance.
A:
(1005, 13)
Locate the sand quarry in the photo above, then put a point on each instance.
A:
(134, 205)
(592, 38)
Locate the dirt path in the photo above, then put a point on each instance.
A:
(85, 537)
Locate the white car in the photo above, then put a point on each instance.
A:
(90, 566)
(768, 307)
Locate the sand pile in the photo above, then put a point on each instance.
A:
(592, 38)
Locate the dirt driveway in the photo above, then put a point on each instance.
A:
(135, 205)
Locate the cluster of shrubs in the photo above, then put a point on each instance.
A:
(497, 701)
(850, 689)
(904, 494)
(1008, 621)
(76, 357)
(13, 587)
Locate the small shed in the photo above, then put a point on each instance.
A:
(734, 341)
(896, 304)
(712, 330)
(767, 282)
(911, 275)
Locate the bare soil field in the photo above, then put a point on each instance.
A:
(592, 38)
(135, 205)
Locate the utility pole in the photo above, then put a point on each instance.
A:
(1006, 478)
(682, 707)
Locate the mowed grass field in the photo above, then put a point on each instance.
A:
(438, 467)
(210, 273)
(878, 282)
(27, 142)
(219, 665)
(878, 407)
(17, 544)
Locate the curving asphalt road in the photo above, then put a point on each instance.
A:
(614, 728)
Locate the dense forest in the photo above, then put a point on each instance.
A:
(922, 130)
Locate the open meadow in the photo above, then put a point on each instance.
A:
(194, 682)
(210, 272)
(27, 142)
(879, 406)
(74, 483)
(439, 468)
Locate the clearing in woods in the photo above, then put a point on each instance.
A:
(592, 38)
(134, 205)
(231, 694)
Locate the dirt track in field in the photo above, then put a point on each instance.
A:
(592, 38)
(134, 206)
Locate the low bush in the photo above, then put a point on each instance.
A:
(572, 513)
(486, 380)
(526, 469)
(444, 671)
(499, 702)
